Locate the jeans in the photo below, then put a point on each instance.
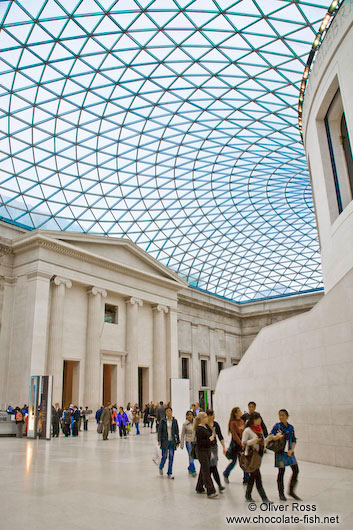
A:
(85, 425)
(191, 467)
(137, 428)
(230, 466)
(170, 453)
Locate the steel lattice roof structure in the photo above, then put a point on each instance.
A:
(170, 122)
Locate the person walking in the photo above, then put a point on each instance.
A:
(19, 417)
(66, 421)
(85, 414)
(146, 412)
(136, 417)
(56, 414)
(236, 426)
(122, 420)
(203, 448)
(76, 421)
(253, 436)
(188, 436)
(98, 414)
(168, 439)
(245, 417)
(151, 415)
(160, 414)
(213, 426)
(105, 419)
(286, 457)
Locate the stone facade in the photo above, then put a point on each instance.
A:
(56, 290)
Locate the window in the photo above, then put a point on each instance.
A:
(185, 368)
(340, 152)
(347, 150)
(111, 314)
(203, 372)
(220, 366)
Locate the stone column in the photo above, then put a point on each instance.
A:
(95, 321)
(196, 370)
(121, 382)
(37, 309)
(56, 329)
(5, 335)
(172, 346)
(132, 342)
(160, 390)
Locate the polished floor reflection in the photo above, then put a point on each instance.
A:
(85, 483)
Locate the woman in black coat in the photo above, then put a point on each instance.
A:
(203, 450)
(168, 439)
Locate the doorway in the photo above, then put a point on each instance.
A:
(71, 375)
(109, 384)
(143, 387)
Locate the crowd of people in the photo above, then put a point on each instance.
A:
(249, 435)
(200, 435)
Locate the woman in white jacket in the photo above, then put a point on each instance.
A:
(188, 436)
(254, 437)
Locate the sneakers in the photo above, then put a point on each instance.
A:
(249, 498)
(200, 492)
(212, 496)
(161, 472)
(221, 489)
(226, 479)
(282, 497)
(171, 477)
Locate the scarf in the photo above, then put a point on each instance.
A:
(257, 429)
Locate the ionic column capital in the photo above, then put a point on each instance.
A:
(160, 308)
(132, 300)
(57, 280)
(96, 290)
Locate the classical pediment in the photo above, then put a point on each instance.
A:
(121, 251)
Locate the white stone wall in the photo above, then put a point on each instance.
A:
(332, 70)
(305, 365)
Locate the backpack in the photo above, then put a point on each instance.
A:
(19, 416)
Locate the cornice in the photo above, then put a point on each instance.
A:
(39, 240)
(62, 237)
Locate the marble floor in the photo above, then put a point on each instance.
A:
(85, 483)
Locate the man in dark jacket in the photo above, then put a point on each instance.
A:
(160, 413)
(168, 439)
(98, 415)
(106, 418)
(56, 414)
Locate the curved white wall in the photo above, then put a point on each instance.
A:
(333, 69)
(305, 363)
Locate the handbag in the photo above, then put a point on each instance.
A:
(193, 452)
(277, 446)
(100, 428)
(233, 450)
(250, 462)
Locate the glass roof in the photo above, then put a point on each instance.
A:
(170, 122)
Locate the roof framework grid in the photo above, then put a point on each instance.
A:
(171, 123)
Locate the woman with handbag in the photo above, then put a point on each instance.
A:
(253, 440)
(286, 458)
(213, 425)
(188, 435)
(236, 426)
(203, 445)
